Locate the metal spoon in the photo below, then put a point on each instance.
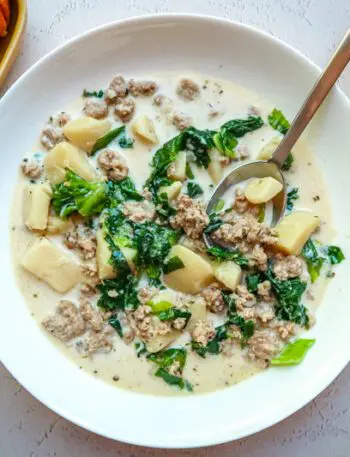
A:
(272, 167)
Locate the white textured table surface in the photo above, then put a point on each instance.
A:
(322, 428)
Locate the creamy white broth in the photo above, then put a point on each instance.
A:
(122, 367)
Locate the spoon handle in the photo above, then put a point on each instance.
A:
(326, 81)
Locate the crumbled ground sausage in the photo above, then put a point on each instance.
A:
(31, 168)
(288, 267)
(93, 318)
(146, 325)
(87, 290)
(264, 345)
(97, 109)
(284, 329)
(213, 298)
(61, 119)
(117, 89)
(66, 323)
(98, 341)
(258, 258)
(145, 294)
(188, 89)
(162, 101)
(125, 109)
(181, 121)
(139, 211)
(264, 311)
(142, 88)
(90, 274)
(179, 323)
(82, 238)
(203, 332)
(113, 164)
(243, 298)
(242, 151)
(197, 245)
(190, 216)
(51, 136)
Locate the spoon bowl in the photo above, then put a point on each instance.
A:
(255, 169)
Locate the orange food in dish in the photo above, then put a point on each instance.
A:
(4, 16)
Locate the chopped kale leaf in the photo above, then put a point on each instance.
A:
(194, 190)
(292, 196)
(222, 254)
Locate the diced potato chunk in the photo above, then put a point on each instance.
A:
(36, 202)
(215, 169)
(57, 225)
(103, 255)
(50, 264)
(269, 148)
(172, 191)
(65, 155)
(160, 342)
(165, 295)
(295, 229)
(144, 129)
(199, 313)
(85, 131)
(177, 170)
(196, 274)
(262, 190)
(229, 273)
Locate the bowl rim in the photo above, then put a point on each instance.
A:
(341, 361)
(15, 41)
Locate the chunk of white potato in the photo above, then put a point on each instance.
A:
(171, 191)
(63, 156)
(130, 255)
(196, 274)
(159, 342)
(215, 169)
(144, 129)
(52, 265)
(85, 131)
(57, 225)
(198, 309)
(177, 170)
(295, 229)
(36, 202)
(228, 273)
(165, 295)
(269, 148)
(262, 190)
(103, 256)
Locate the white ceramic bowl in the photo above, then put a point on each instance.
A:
(145, 45)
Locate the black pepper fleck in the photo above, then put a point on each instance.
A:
(95, 372)
(316, 198)
(115, 378)
(221, 92)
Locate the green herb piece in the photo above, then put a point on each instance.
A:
(153, 243)
(246, 326)
(253, 280)
(219, 205)
(194, 190)
(173, 264)
(225, 143)
(124, 141)
(115, 323)
(158, 307)
(213, 347)
(293, 353)
(154, 272)
(119, 294)
(121, 191)
(174, 313)
(261, 215)
(335, 255)
(140, 348)
(229, 302)
(288, 162)
(288, 294)
(292, 196)
(106, 139)
(77, 194)
(94, 93)
(313, 259)
(215, 222)
(165, 360)
(189, 172)
(222, 254)
(278, 122)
